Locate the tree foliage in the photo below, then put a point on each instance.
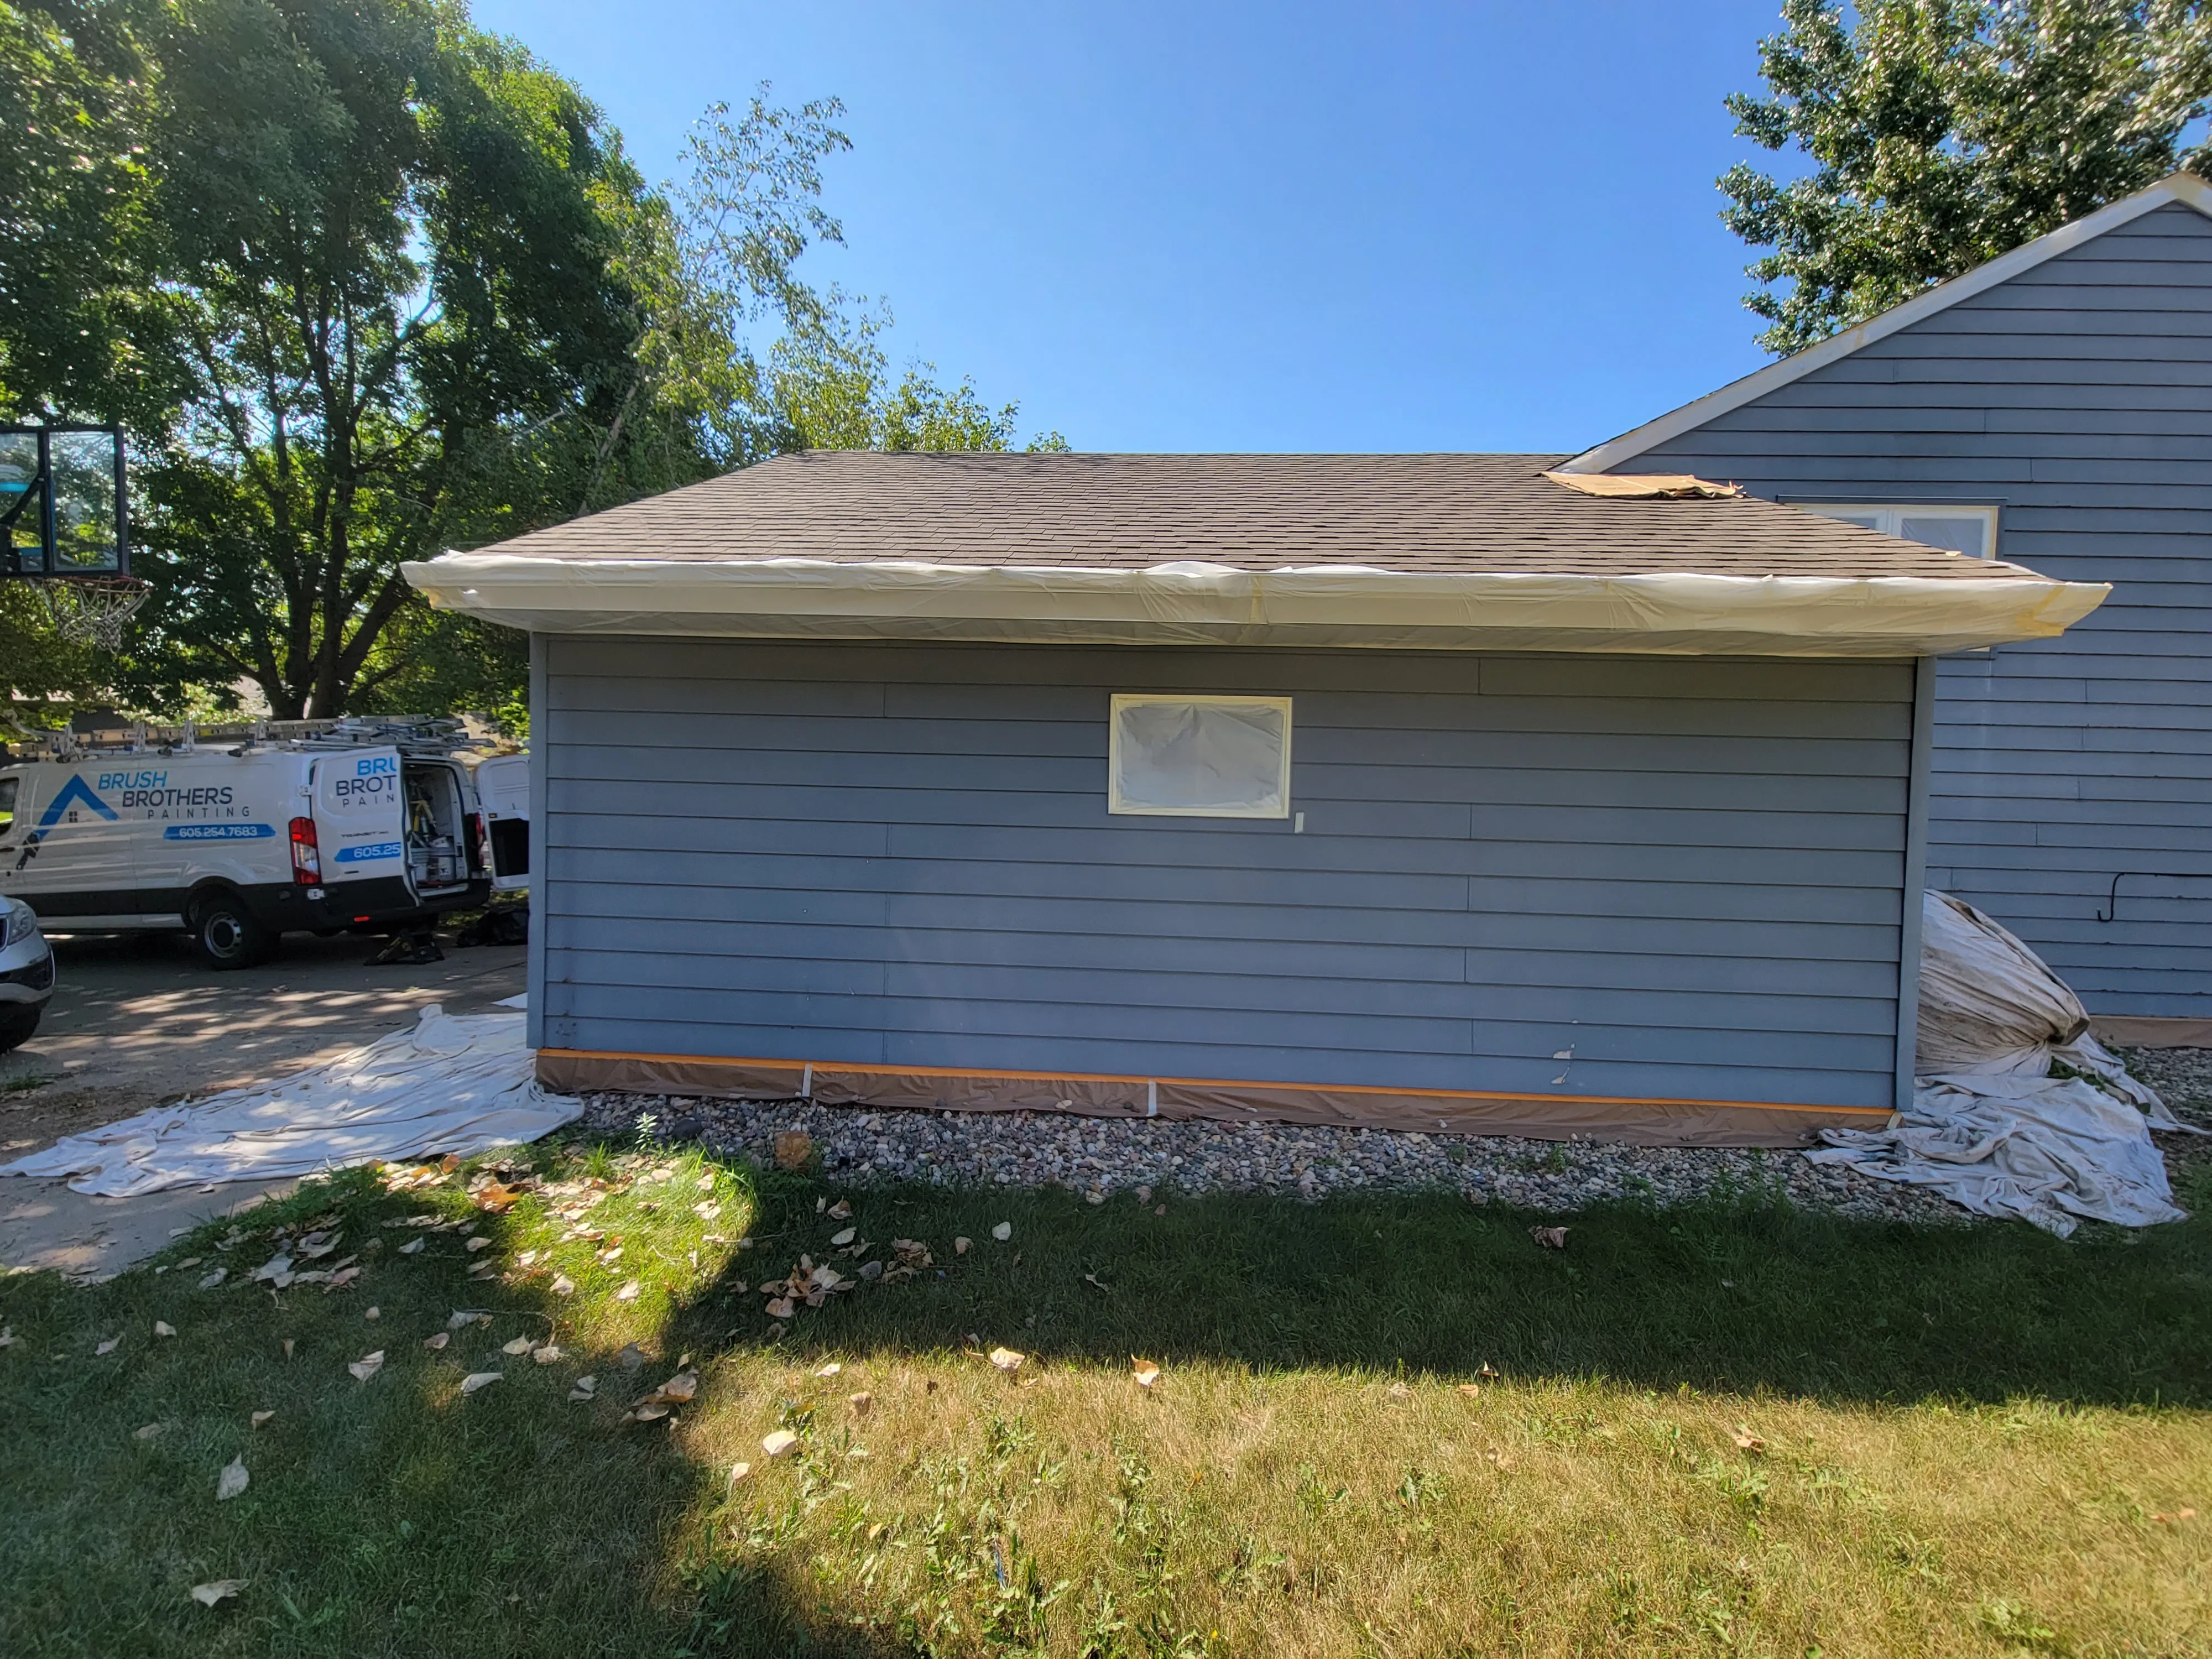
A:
(1942, 133)
(368, 282)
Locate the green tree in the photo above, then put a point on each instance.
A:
(1942, 133)
(369, 283)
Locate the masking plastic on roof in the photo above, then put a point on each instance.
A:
(1194, 603)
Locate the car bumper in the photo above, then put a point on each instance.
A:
(384, 902)
(25, 977)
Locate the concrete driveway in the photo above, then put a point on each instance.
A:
(136, 1022)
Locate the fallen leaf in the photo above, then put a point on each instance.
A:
(1007, 1360)
(1549, 1238)
(779, 1307)
(547, 1355)
(629, 1291)
(259, 1417)
(1469, 1390)
(233, 1480)
(1146, 1371)
(632, 1356)
(778, 1442)
(1487, 1369)
(842, 1210)
(793, 1148)
(1091, 1279)
(1398, 1391)
(646, 1410)
(707, 1211)
(829, 1370)
(520, 1345)
(1747, 1441)
(497, 1196)
(563, 1285)
(838, 1240)
(862, 1403)
(1144, 1194)
(374, 1313)
(289, 1343)
(162, 1327)
(149, 1430)
(413, 1246)
(1159, 1209)
(961, 1246)
(278, 1270)
(368, 1365)
(679, 1391)
(108, 1347)
(1002, 1232)
(221, 1589)
(1094, 1196)
(476, 1380)
(739, 1472)
(461, 1317)
(478, 1242)
(584, 1388)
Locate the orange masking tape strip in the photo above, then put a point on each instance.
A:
(820, 1067)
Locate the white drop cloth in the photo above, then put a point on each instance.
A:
(452, 1085)
(1989, 1127)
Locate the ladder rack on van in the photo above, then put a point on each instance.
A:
(420, 736)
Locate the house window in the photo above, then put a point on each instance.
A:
(1200, 758)
(1968, 530)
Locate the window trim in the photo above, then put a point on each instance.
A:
(1119, 807)
(1892, 514)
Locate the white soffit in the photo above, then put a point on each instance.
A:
(1194, 603)
(2186, 188)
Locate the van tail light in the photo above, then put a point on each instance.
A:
(479, 842)
(306, 857)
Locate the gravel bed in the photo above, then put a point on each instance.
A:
(1100, 1157)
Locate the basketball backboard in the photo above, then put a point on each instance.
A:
(63, 510)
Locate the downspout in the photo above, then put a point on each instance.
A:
(1916, 875)
(541, 760)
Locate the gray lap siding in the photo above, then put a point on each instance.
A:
(1684, 877)
(2076, 397)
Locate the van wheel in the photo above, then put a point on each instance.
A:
(18, 1023)
(226, 935)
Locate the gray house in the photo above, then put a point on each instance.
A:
(1429, 791)
(2053, 408)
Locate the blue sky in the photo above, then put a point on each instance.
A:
(1239, 226)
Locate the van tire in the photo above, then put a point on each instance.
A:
(225, 934)
(18, 1024)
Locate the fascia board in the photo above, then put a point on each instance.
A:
(1189, 603)
(2185, 188)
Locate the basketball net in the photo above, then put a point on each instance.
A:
(92, 610)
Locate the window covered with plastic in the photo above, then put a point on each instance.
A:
(1208, 757)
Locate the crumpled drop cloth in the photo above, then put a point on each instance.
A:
(454, 1084)
(1989, 1127)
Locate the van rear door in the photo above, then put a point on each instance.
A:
(359, 821)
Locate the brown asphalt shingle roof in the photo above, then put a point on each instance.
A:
(1412, 513)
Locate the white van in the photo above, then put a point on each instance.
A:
(502, 783)
(239, 846)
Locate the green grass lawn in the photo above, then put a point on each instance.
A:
(1384, 1425)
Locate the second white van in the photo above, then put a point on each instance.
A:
(239, 846)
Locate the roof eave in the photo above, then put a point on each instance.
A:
(1194, 604)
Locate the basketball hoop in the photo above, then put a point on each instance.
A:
(92, 610)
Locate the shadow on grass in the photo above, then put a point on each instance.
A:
(1748, 1297)
(399, 1517)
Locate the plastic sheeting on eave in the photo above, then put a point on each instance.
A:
(1190, 603)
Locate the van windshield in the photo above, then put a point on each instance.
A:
(8, 785)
